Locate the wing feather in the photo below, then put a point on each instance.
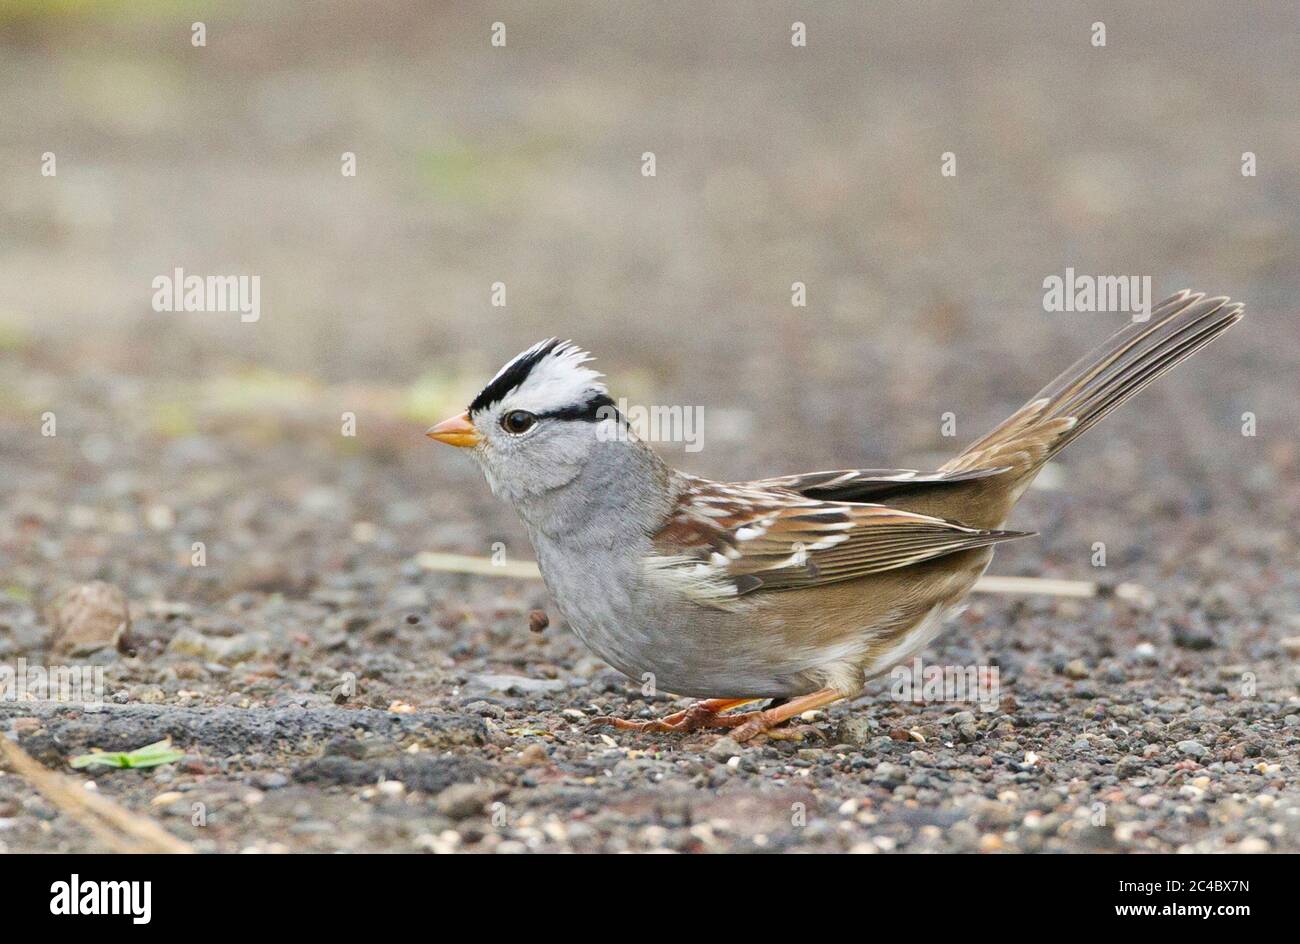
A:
(873, 485)
(739, 539)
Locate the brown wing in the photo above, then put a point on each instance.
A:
(751, 537)
(873, 485)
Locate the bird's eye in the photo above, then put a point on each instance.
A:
(518, 421)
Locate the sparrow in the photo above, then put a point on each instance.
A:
(798, 588)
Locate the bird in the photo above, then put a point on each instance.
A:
(794, 590)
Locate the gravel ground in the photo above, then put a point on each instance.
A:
(333, 693)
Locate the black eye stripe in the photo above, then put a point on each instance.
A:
(588, 412)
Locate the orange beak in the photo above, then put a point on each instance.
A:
(456, 431)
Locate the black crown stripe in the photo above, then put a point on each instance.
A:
(512, 377)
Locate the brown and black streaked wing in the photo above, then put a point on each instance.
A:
(756, 538)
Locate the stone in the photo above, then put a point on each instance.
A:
(463, 800)
(857, 731)
(1195, 636)
(90, 617)
(725, 748)
(225, 650)
(1076, 669)
(486, 682)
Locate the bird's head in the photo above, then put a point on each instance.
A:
(535, 425)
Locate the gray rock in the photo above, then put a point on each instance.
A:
(725, 748)
(486, 682)
(224, 650)
(463, 800)
(1146, 654)
(88, 618)
(1129, 766)
(485, 709)
(428, 773)
(857, 731)
(224, 731)
(888, 773)
(1189, 635)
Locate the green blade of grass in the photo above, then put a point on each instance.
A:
(151, 755)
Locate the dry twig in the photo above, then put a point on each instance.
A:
(527, 570)
(114, 825)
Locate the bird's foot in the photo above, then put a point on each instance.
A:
(765, 722)
(756, 727)
(702, 714)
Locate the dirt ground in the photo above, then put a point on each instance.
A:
(331, 692)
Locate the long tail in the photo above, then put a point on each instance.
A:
(1098, 382)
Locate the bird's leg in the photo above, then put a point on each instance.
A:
(762, 722)
(702, 714)
(701, 709)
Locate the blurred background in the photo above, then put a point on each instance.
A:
(522, 165)
(274, 566)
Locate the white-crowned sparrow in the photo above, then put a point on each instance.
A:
(797, 588)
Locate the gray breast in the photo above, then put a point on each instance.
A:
(688, 649)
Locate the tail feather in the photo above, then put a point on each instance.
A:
(1100, 381)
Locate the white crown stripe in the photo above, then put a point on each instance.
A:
(554, 381)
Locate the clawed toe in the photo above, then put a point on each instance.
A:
(750, 730)
(686, 722)
(705, 714)
(746, 725)
(765, 722)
